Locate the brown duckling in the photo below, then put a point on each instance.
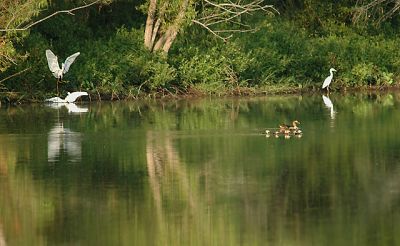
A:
(292, 127)
(283, 129)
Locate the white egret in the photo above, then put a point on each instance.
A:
(328, 80)
(54, 67)
(70, 98)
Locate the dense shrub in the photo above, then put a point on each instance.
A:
(219, 66)
(283, 53)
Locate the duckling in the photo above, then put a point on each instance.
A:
(294, 125)
(283, 129)
(298, 132)
(298, 135)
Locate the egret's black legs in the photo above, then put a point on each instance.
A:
(58, 92)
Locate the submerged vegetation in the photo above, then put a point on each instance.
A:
(292, 50)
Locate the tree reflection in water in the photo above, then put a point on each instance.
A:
(188, 173)
(2, 240)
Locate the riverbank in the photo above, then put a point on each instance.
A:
(23, 98)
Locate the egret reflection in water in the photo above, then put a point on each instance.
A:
(61, 140)
(71, 107)
(328, 103)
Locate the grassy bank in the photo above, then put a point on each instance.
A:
(14, 98)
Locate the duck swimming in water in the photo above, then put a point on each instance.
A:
(292, 127)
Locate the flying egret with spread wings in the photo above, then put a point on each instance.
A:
(328, 80)
(70, 98)
(54, 67)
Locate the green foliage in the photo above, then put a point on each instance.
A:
(285, 53)
(121, 62)
(295, 49)
(159, 74)
(34, 80)
(7, 53)
(370, 74)
(220, 66)
(13, 14)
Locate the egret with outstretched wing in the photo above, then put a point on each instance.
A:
(54, 67)
(70, 98)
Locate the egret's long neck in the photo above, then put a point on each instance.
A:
(329, 71)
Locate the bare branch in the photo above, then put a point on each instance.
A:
(213, 32)
(15, 74)
(236, 30)
(380, 10)
(69, 11)
(229, 12)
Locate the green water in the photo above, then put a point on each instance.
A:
(202, 173)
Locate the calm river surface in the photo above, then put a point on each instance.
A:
(202, 172)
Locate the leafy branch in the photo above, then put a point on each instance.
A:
(26, 27)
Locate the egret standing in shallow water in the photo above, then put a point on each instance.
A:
(54, 67)
(328, 80)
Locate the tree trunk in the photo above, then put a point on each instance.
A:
(166, 40)
(169, 39)
(148, 34)
(156, 40)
